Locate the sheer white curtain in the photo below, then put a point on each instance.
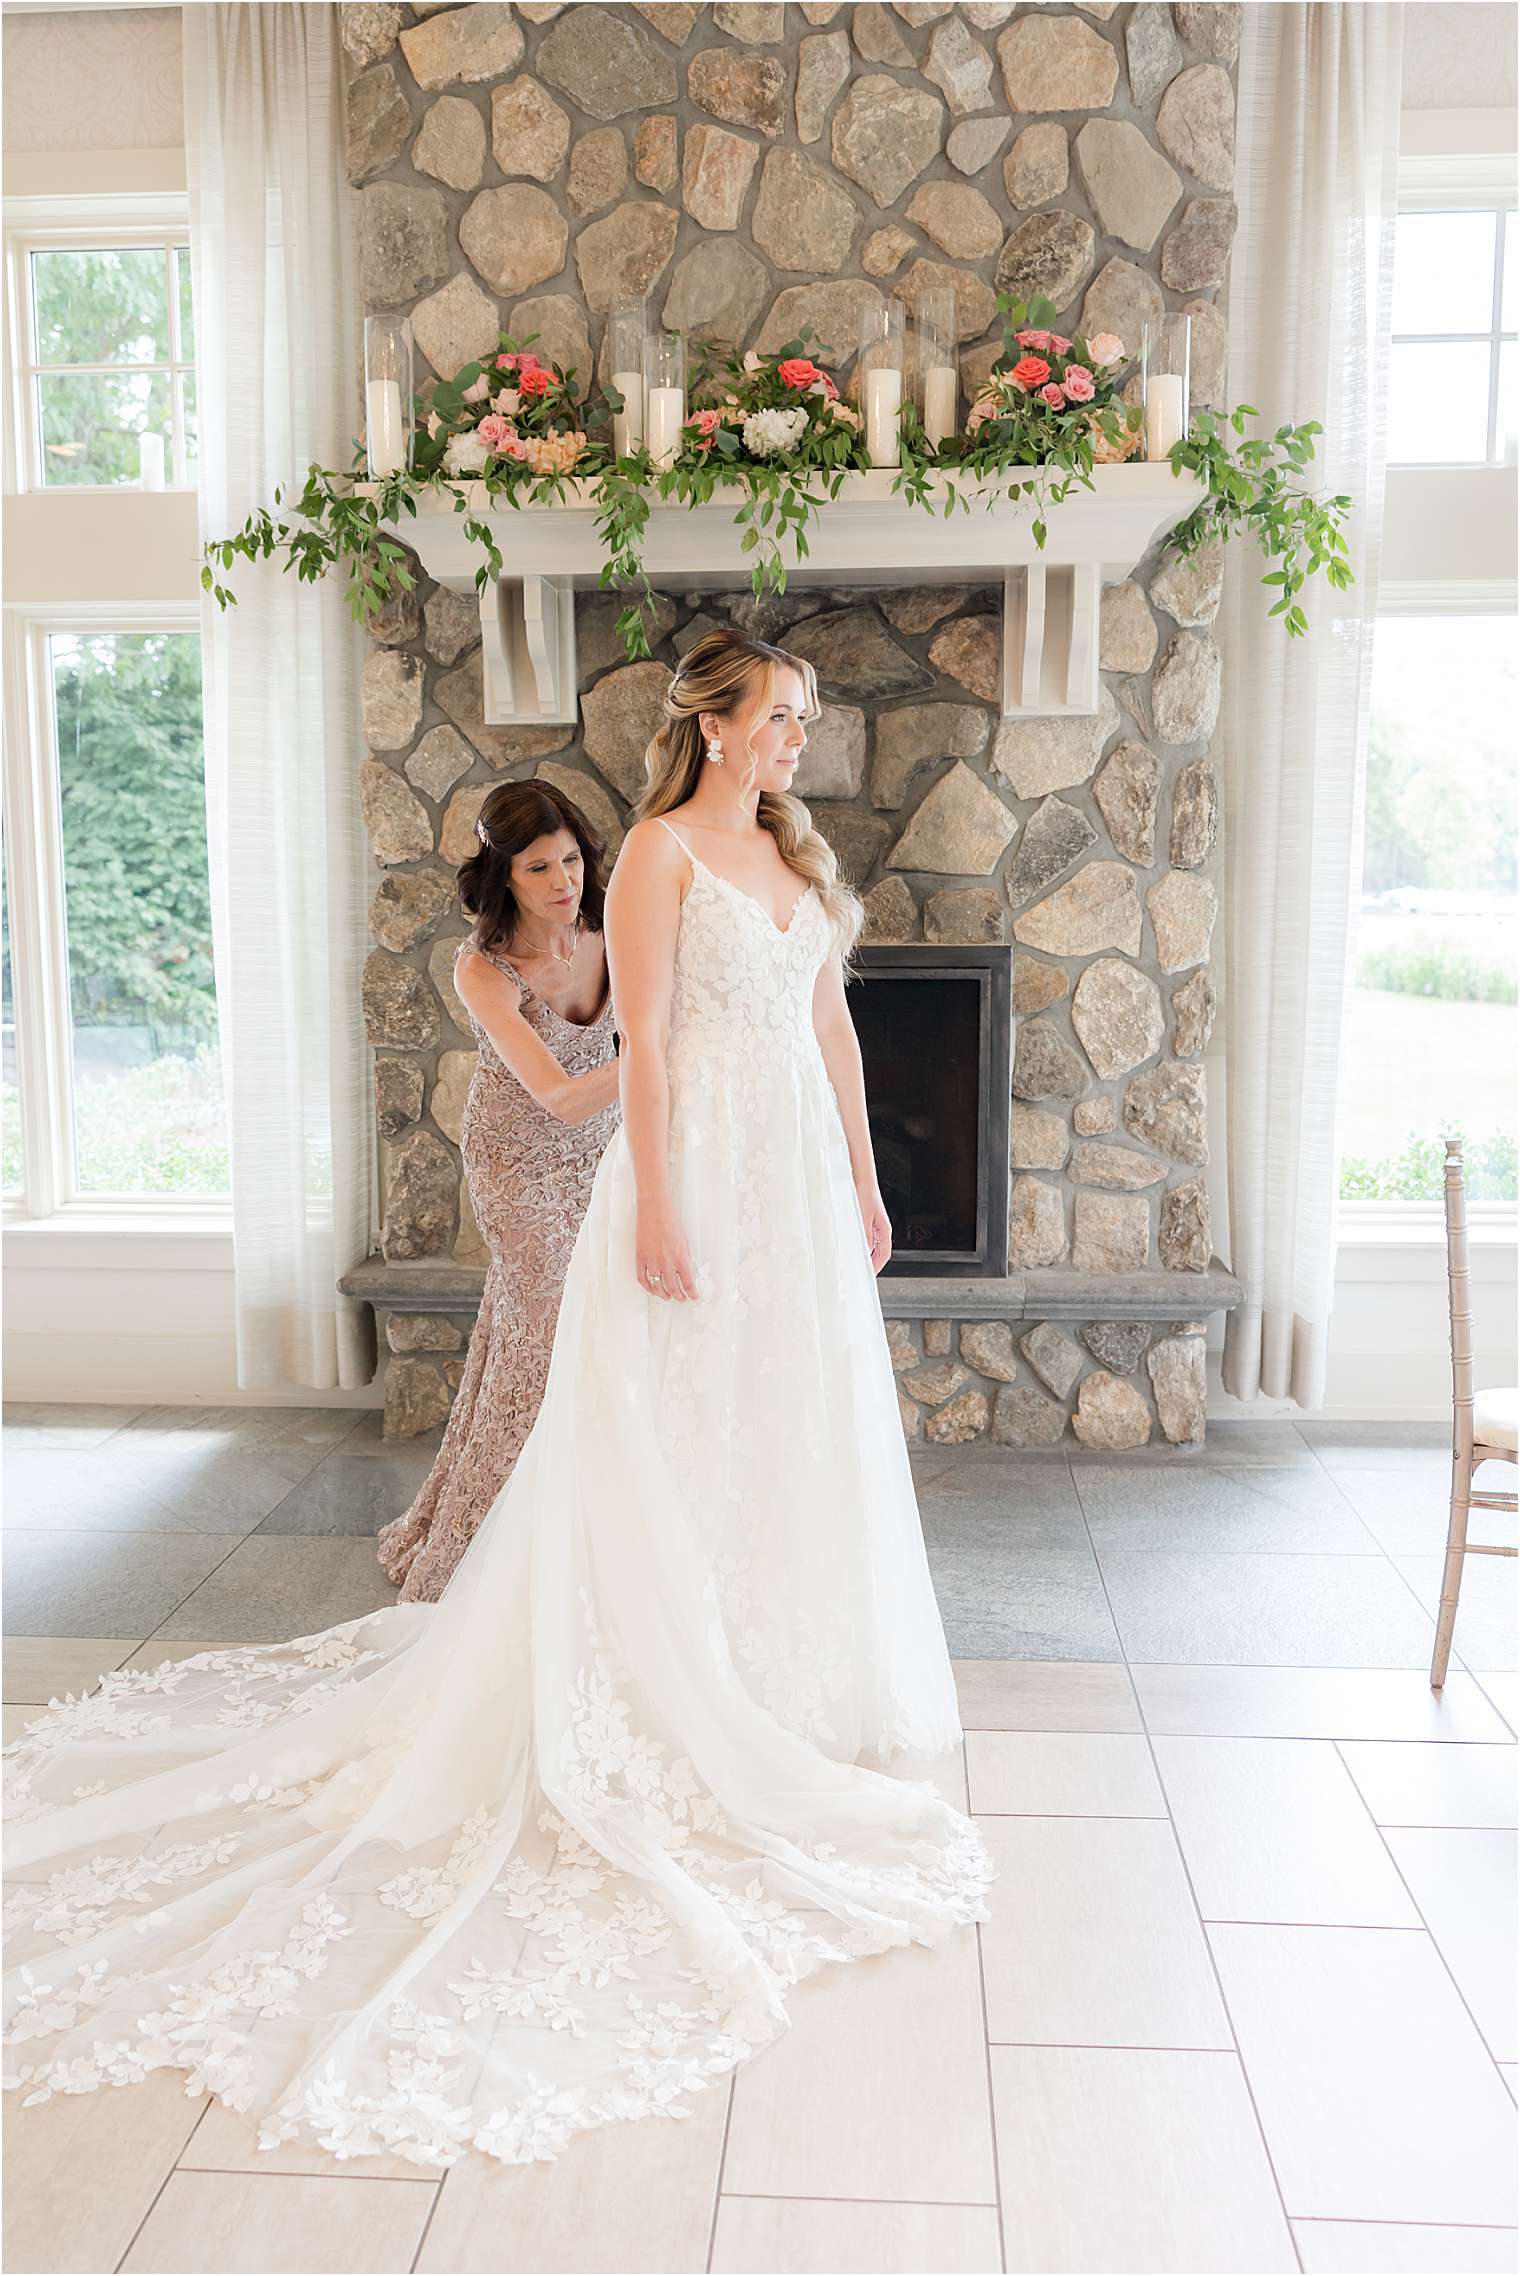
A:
(1309, 320)
(276, 318)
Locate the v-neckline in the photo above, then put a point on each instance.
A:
(580, 1025)
(782, 932)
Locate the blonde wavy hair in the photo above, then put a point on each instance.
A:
(734, 676)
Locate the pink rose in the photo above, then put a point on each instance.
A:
(705, 420)
(985, 407)
(494, 431)
(1029, 373)
(1078, 384)
(1033, 339)
(1053, 396)
(1105, 348)
(1058, 346)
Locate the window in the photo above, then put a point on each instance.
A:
(10, 1081)
(106, 358)
(1430, 1038)
(1452, 378)
(116, 993)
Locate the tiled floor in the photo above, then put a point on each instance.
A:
(1246, 2000)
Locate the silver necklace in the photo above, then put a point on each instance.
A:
(554, 952)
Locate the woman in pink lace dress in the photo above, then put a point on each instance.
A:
(542, 1107)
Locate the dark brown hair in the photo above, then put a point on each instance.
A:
(512, 817)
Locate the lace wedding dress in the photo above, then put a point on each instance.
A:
(548, 1854)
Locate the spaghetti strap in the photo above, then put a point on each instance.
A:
(680, 841)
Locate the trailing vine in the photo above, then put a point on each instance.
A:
(508, 429)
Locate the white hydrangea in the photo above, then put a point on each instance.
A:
(766, 432)
(466, 454)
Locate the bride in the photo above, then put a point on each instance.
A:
(484, 1874)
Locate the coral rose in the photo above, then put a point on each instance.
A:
(1030, 372)
(532, 379)
(798, 371)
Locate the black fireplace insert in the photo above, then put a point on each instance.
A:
(935, 1028)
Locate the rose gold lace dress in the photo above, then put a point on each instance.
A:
(530, 1180)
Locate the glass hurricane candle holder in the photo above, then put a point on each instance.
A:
(627, 330)
(1165, 357)
(387, 395)
(664, 395)
(938, 379)
(880, 372)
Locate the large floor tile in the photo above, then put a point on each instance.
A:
(1487, 1633)
(1464, 1884)
(1261, 1445)
(878, 2090)
(1402, 2248)
(1434, 1785)
(1012, 1492)
(1118, 2158)
(65, 1584)
(186, 1490)
(30, 1422)
(1094, 1938)
(1360, 1445)
(82, 2170)
(40, 1668)
(1045, 1695)
(1274, 1829)
(979, 1532)
(1378, 2098)
(225, 2142)
(1001, 1601)
(1221, 1508)
(309, 1431)
(1407, 1512)
(347, 1494)
(638, 2196)
(274, 1587)
(1314, 1703)
(1264, 1610)
(1503, 1687)
(1060, 1774)
(758, 2235)
(273, 2223)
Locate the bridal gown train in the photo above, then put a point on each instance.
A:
(546, 1855)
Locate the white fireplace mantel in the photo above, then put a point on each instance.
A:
(863, 538)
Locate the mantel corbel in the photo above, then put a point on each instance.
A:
(866, 537)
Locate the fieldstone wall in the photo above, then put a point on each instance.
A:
(754, 168)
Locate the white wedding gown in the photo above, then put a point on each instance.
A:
(549, 1853)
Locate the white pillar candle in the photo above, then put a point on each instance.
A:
(150, 461)
(939, 403)
(387, 437)
(666, 409)
(1165, 422)
(628, 424)
(883, 408)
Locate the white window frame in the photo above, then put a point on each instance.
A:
(39, 933)
(1464, 182)
(136, 220)
(1450, 178)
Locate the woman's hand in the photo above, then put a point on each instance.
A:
(662, 1260)
(878, 1225)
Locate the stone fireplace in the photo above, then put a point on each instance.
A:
(755, 168)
